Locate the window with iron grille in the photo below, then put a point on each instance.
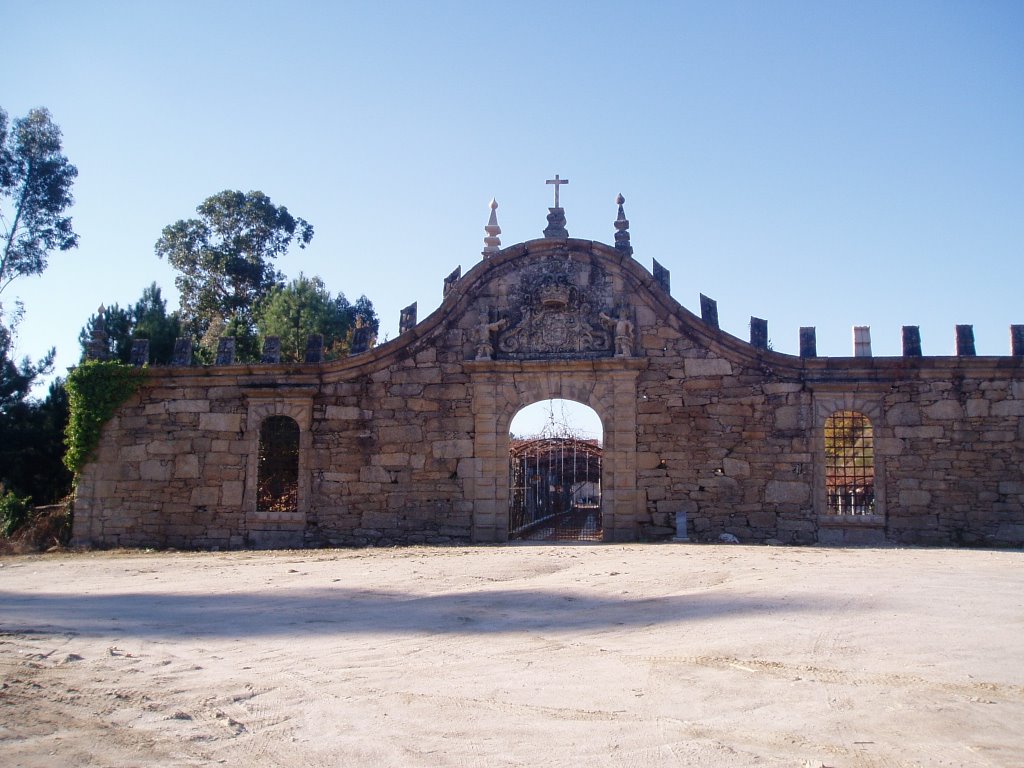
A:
(277, 485)
(849, 464)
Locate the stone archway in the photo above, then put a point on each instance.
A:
(500, 389)
(555, 464)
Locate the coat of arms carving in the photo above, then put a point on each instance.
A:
(556, 317)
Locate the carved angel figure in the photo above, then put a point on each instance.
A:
(484, 329)
(622, 328)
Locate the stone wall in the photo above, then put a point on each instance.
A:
(408, 442)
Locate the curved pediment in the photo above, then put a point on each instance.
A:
(558, 300)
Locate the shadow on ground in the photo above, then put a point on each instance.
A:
(343, 611)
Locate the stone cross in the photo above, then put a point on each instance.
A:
(557, 182)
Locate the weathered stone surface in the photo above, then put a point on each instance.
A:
(186, 467)
(783, 492)
(758, 333)
(408, 443)
(903, 415)
(808, 342)
(943, 410)
(709, 311)
(787, 417)
(911, 341)
(220, 422)
(711, 366)
(915, 498)
(271, 350)
(735, 467)
(1008, 408)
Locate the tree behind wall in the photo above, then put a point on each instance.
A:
(35, 192)
(225, 258)
(31, 432)
(146, 319)
(305, 307)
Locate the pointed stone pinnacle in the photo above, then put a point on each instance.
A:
(492, 243)
(622, 228)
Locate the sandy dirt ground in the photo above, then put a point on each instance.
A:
(530, 655)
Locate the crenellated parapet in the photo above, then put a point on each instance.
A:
(659, 279)
(408, 441)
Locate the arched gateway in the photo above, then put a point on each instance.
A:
(409, 441)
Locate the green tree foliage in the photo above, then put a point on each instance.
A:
(226, 256)
(146, 319)
(31, 432)
(305, 307)
(16, 379)
(117, 324)
(152, 322)
(14, 511)
(35, 191)
(32, 446)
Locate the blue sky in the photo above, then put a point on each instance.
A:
(812, 163)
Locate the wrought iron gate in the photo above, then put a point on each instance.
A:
(555, 489)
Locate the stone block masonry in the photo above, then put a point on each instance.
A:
(408, 442)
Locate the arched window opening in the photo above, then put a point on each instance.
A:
(849, 464)
(277, 486)
(555, 458)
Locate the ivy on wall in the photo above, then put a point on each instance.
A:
(95, 391)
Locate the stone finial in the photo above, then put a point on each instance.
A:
(407, 318)
(182, 354)
(492, 243)
(362, 337)
(556, 216)
(622, 231)
(965, 341)
(98, 348)
(759, 333)
(451, 280)
(140, 352)
(271, 350)
(225, 351)
(911, 341)
(556, 225)
(1017, 340)
(709, 311)
(862, 341)
(808, 341)
(661, 275)
(315, 348)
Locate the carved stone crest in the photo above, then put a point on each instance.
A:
(557, 317)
